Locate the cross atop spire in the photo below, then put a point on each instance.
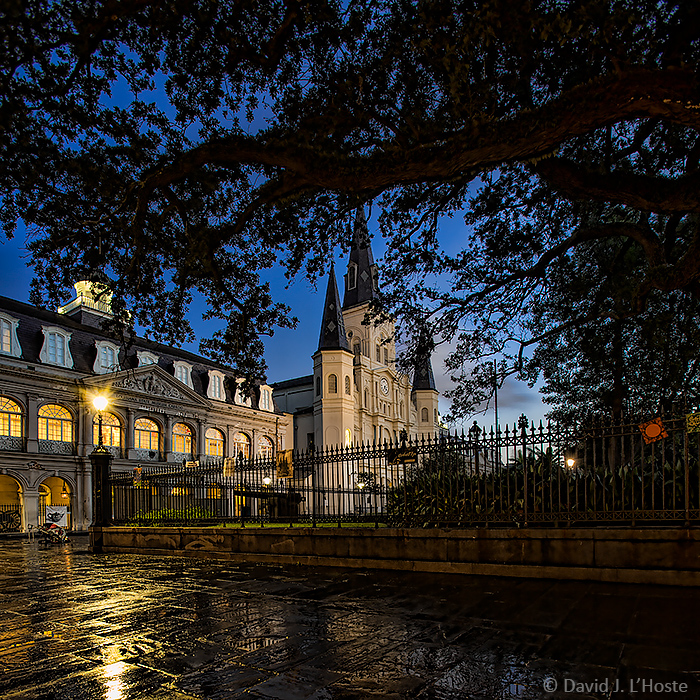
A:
(332, 326)
(361, 277)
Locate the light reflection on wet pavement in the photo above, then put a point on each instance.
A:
(78, 626)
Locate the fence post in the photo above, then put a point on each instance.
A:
(522, 424)
(687, 478)
(101, 460)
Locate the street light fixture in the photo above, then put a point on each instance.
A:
(100, 403)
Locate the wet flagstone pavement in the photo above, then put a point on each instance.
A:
(78, 626)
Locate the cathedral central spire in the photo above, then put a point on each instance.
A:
(361, 277)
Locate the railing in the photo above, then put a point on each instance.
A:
(10, 517)
(522, 475)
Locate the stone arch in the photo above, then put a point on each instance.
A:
(56, 490)
(11, 503)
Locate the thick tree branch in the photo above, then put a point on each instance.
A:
(482, 145)
(657, 194)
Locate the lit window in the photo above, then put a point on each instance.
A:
(10, 418)
(214, 443)
(424, 415)
(183, 373)
(146, 434)
(182, 439)
(241, 445)
(332, 384)
(111, 430)
(56, 348)
(347, 385)
(265, 448)
(348, 438)
(55, 423)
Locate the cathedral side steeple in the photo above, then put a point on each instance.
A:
(332, 335)
(423, 377)
(361, 277)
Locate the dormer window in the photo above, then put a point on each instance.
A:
(107, 359)
(9, 345)
(146, 358)
(183, 372)
(215, 390)
(56, 348)
(240, 398)
(265, 399)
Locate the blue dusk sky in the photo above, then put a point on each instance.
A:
(288, 352)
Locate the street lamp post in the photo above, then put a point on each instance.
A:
(101, 460)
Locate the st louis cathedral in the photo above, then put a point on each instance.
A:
(355, 394)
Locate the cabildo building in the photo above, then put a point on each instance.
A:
(166, 406)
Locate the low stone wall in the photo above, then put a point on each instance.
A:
(624, 555)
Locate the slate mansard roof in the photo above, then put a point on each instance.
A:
(84, 351)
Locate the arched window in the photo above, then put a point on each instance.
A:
(265, 448)
(318, 386)
(332, 384)
(366, 399)
(214, 443)
(182, 439)
(435, 415)
(10, 418)
(348, 437)
(401, 409)
(379, 353)
(146, 434)
(111, 430)
(357, 348)
(347, 385)
(55, 423)
(424, 415)
(241, 445)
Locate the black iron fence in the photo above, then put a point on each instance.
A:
(624, 474)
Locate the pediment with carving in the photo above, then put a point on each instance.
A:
(151, 384)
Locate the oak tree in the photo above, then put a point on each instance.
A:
(187, 145)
